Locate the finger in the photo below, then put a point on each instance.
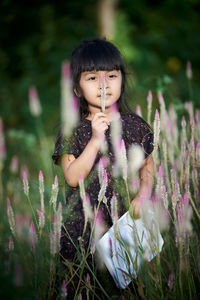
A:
(98, 116)
(101, 120)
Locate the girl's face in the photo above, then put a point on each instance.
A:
(90, 83)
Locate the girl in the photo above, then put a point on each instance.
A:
(81, 153)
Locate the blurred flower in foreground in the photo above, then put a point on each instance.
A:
(33, 239)
(189, 70)
(34, 102)
(18, 275)
(54, 193)
(41, 218)
(69, 104)
(171, 280)
(103, 93)
(11, 218)
(135, 159)
(138, 110)
(25, 181)
(2, 143)
(14, 164)
(64, 290)
(149, 106)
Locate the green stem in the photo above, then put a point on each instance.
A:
(33, 212)
(127, 190)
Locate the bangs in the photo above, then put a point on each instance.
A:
(96, 55)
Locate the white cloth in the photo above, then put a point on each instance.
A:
(134, 243)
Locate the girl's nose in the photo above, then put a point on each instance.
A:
(103, 81)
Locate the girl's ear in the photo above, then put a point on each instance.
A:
(77, 93)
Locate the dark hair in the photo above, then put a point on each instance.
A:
(96, 54)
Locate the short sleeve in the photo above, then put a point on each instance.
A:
(137, 131)
(147, 139)
(65, 145)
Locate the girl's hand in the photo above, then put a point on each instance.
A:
(134, 209)
(100, 124)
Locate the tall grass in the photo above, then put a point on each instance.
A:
(33, 210)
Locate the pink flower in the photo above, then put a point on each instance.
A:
(2, 142)
(11, 243)
(54, 193)
(41, 218)
(138, 110)
(149, 97)
(14, 164)
(103, 92)
(25, 181)
(65, 70)
(34, 102)
(64, 290)
(189, 70)
(11, 218)
(171, 280)
(33, 239)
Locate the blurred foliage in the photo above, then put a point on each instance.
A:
(156, 37)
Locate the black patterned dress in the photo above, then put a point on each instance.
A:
(134, 131)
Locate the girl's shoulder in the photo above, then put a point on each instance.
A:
(132, 118)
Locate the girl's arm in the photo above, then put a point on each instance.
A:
(146, 185)
(72, 167)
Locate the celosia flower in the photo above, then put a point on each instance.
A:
(34, 102)
(138, 110)
(33, 239)
(41, 218)
(183, 133)
(198, 153)
(14, 164)
(149, 106)
(41, 189)
(156, 128)
(171, 281)
(64, 290)
(135, 159)
(184, 215)
(25, 181)
(114, 213)
(100, 171)
(11, 243)
(11, 218)
(124, 163)
(53, 245)
(156, 136)
(85, 202)
(2, 143)
(99, 227)
(189, 70)
(103, 92)
(57, 232)
(54, 193)
(102, 191)
(69, 107)
(18, 275)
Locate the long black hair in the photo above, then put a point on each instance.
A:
(96, 54)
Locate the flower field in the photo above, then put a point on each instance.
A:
(33, 209)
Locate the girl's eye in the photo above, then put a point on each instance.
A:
(92, 78)
(112, 76)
